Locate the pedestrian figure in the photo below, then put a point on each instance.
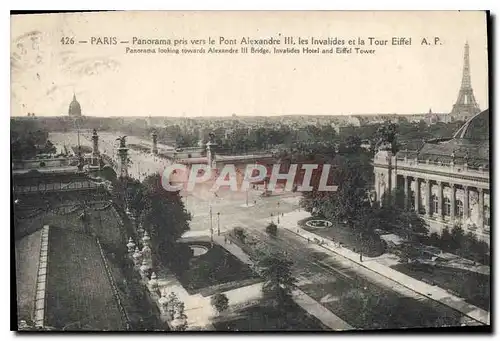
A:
(225, 239)
(282, 214)
(308, 240)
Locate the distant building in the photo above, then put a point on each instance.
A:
(447, 181)
(75, 109)
(433, 118)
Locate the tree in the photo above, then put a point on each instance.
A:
(240, 234)
(446, 241)
(408, 252)
(351, 145)
(164, 214)
(387, 133)
(278, 279)
(272, 229)
(220, 302)
(161, 212)
(457, 237)
(403, 221)
(407, 223)
(350, 199)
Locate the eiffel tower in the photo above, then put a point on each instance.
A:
(466, 105)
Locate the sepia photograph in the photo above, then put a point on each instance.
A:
(250, 171)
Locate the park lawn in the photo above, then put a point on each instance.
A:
(471, 286)
(79, 294)
(215, 267)
(371, 245)
(263, 318)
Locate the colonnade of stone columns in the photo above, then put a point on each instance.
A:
(437, 210)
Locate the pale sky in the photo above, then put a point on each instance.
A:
(109, 82)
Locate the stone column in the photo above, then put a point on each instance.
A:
(417, 195)
(440, 200)
(466, 203)
(481, 208)
(123, 155)
(406, 198)
(130, 245)
(154, 148)
(95, 143)
(428, 198)
(452, 202)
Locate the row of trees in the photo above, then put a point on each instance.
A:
(159, 211)
(27, 148)
(463, 244)
(27, 141)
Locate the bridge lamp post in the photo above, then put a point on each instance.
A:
(218, 223)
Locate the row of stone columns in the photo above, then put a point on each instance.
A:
(141, 257)
(440, 199)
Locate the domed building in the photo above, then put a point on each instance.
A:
(74, 108)
(447, 181)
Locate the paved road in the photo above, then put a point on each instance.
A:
(232, 208)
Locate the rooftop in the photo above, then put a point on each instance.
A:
(78, 291)
(469, 144)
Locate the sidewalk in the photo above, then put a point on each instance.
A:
(289, 221)
(301, 298)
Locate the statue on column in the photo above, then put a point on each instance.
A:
(210, 153)
(122, 141)
(154, 148)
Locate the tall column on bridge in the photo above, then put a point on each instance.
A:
(95, 148)
(210, 152)
(123, 154)
(154, 149)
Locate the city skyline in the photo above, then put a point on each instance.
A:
(107, 82)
